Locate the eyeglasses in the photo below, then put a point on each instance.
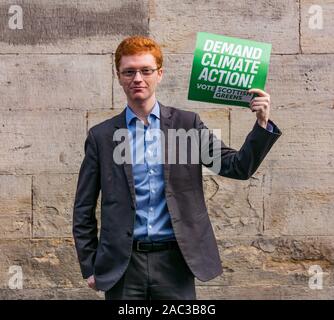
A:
(145, 72)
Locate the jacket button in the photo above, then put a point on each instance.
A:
(129, 233)
(132, 207)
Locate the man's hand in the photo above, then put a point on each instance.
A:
(91, 282)
(260, 105)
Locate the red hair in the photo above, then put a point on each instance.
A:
(137, 45)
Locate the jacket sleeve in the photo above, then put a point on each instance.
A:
(229, 162)
(84, 219)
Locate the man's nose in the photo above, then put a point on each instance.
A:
(138, 76)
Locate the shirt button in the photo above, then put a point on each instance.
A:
(150, 226)
(151, 209)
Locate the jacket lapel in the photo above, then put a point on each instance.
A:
(120, 123)
(165, 124)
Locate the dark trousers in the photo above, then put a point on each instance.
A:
(156, 275)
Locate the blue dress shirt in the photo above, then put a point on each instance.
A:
(153, 222)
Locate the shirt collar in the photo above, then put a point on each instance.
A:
(130, 114)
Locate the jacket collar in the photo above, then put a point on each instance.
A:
(165, 113)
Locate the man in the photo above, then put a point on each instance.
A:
(155, 236)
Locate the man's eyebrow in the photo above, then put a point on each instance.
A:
(145, 67)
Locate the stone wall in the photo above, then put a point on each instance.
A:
(58, 79)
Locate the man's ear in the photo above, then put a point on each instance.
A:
(160, 73)
(119, 80)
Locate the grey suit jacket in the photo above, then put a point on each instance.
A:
(108, 257)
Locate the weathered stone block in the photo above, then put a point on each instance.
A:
(299, 202)
(235, 206)
(262, 293)
(40, 82)
(51, 294)
(306, 142)
(296, 81)
(269, 261)
(54, 197)
(41, 141)
(45, 264)
(317, 39)
(16, 207)
(176, 26)
(53, 205)
(64, 26)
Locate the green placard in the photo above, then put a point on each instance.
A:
(224, 68)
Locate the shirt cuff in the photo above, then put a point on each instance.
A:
(270, 127)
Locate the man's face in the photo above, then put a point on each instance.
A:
(139, 87)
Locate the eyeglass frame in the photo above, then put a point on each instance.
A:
(140, 71)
